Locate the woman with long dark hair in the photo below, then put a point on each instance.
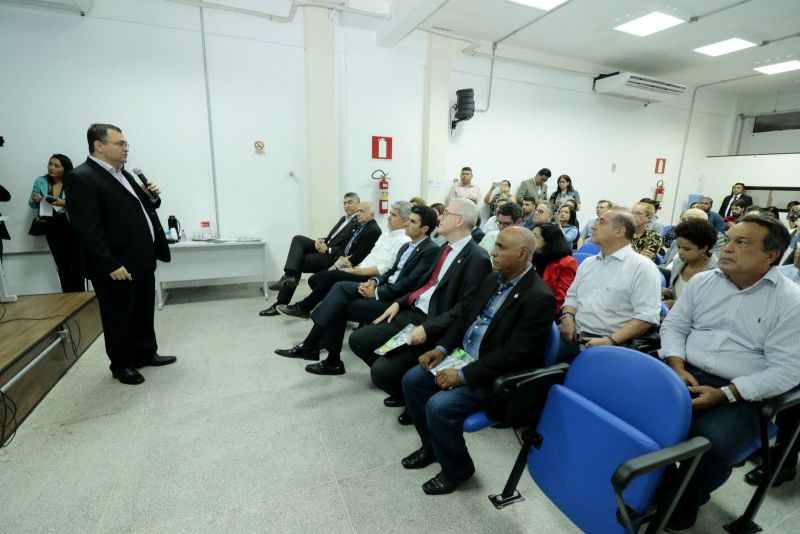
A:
(564, 192)
(567, 220)
(61, 238)
(553, 260)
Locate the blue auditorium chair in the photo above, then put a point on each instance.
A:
(589, 248)
(580, 256)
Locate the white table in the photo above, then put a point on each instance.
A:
(4, 296)
(205, 260)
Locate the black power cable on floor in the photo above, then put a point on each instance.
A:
(9, 415)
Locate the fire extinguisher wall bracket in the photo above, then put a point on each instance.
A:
(383, 190)
(658, 196)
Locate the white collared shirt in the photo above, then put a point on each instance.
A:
(424, 300)
(748, 336)
(609, 292)
(384, 252)
(117, 174)
(341, 226)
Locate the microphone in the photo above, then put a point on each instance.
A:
(144, 180)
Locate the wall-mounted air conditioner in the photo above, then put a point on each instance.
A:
(77, 6)
(636, 87)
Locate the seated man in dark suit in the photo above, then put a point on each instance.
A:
(505, 333)
(441, 296)
(309, 256)
(377, 262)
(363, 302)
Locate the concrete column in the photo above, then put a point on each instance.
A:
(436, 118)
(322, 147)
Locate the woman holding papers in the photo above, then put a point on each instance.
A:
(48, 198)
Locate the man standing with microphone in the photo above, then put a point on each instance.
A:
(121, 236)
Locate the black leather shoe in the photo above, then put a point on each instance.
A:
(157, 361)
(405, 418)
(394, 402)
(286, 282)
(269, 312)
(441, 484)
(418, 459)
(292, 310)
(754, 477)
(325, 368)
(128, 375)
(298, 351)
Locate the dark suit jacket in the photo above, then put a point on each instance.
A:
(455, 292)
(110, 224)
(415, 267)
(514, 339)
(723, 208)
(342, 237)
(5, 196)
(361, 246)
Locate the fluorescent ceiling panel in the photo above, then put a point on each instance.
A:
(724, 47)
(648, 24)
(544, 5)
(777, 68)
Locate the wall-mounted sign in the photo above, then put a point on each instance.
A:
(661, 164)
(381, 147)
(259, 147)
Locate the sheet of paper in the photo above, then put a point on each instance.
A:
(397, 340)
(45, 209)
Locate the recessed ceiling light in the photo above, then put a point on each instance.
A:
(777, 68)
(652, 23)
(544, 5)
(724, 47)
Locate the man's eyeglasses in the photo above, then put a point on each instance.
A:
(123, 144)
(446, 213)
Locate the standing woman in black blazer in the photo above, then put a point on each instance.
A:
(61, 239)
(116, 222)
(5, 196)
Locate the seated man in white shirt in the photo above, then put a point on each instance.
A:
(616, 295)
(732, 361)
(508, 214)
(491, 223)
(377, 262)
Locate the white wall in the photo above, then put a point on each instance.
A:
(786, 141)
(541, 118)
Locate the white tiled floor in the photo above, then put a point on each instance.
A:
(233, 438)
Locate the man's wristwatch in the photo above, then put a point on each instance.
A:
(567, 314)
(729, 394)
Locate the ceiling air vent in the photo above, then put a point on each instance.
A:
(636, 87)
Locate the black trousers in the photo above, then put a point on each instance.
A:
(387, 371)
(66, 253)
(343, 304)
(303, 258)
(126, 311)
(321, 284)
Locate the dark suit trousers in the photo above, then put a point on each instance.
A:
(321, 284)
(126, 312)
(387, 371)
(343, 304)
(303, 258)
(66, 253)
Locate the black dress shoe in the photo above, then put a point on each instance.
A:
(286, 282)
(269, 312)
(326, 368)
(441, 484)
(755, 476)
(298, 351)
(292, 310)
(418, 459)
(405, 418)
(157, 361)
(394, 402)
(128, 375)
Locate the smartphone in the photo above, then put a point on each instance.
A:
(50, 198)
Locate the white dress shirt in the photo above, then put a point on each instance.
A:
(609, 292)
(385, 250)
(342, 224)
(117, 174)
(748, 336)
(424, 300)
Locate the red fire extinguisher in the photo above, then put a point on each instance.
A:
(658, 196)
(383, 190)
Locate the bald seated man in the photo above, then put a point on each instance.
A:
(503, 333)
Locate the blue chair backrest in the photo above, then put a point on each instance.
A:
(666, 229)
(589, 248)
(580, 256)
(663, 280)
(615, 404)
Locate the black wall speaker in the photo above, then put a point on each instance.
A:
(464, 106)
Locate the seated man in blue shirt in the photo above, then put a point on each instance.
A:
(504, 332)
(734, 360)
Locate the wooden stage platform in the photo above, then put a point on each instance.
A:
(30, 326)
